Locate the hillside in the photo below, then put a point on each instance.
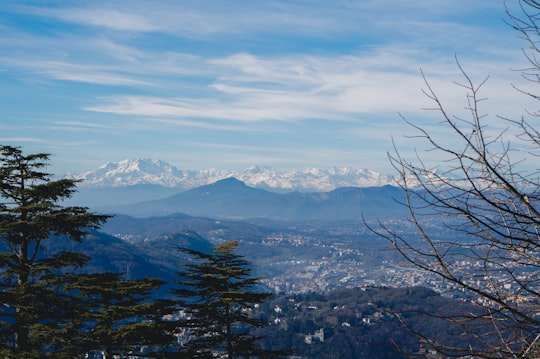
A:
(363, 323)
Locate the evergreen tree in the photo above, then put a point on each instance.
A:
(217, 294)
(118, 315)
(33, 313)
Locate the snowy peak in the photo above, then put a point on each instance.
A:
(151, 171)
(132, 172)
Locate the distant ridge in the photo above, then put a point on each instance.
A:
(232, 199)
(139, 172)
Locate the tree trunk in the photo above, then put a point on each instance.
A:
(21, 331)
(229, 333)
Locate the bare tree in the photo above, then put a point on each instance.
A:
(488, 200)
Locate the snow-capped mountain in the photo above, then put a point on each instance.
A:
(155, 172)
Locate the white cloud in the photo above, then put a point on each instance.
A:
(5, 140)
(226, 18)
(98, 16)
(244, 87)
(77, 73)
(205, 68)
(77, 126)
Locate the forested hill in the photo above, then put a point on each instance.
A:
(361, 322)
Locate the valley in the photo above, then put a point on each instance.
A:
(299, 241)
(294, 257)
(307, 247)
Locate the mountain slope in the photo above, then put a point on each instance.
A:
(112, 254)
(137, 230)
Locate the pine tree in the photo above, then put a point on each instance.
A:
(33, 313)
(217, 294)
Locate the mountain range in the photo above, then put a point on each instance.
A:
(156, 172)
(146, 187)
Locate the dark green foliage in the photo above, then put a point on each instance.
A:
(219, 293)
(33, 312)
(367, 323)
(118, 315)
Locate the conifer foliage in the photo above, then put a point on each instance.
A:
(218, 293)
(118, 315)
(33, 313)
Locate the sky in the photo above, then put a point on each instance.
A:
(230, 84)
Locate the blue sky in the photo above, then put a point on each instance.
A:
(228, 84)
